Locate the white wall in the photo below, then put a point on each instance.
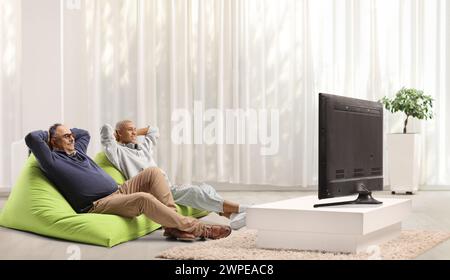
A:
(41, 96)
(48, 98)
(41, 64)
(74, 54)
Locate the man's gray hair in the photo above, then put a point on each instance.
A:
(120, 124)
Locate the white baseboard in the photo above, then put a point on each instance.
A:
(434, 188)
(268, 188)
(5, 191)
(259, 188)
(224, 187)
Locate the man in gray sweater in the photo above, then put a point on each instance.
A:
(131, 158)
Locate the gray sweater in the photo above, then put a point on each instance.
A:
(130, 159)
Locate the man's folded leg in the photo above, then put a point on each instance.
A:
(135, 204)
(152, 181)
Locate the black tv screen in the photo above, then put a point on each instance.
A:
(350, 146)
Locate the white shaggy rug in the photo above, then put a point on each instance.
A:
(241, 245)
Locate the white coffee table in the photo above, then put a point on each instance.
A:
(296, 224)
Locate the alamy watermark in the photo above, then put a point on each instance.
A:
(374, 252)
(73, 4)
(230, 126)
(73, 252)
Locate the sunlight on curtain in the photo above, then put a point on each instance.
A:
(151, 57)
(10, 124)
(111, 47)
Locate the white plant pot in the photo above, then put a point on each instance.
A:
(404, 162)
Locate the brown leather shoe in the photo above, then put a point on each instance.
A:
(215, 231)
(178, 234)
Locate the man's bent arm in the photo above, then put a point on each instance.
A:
(82, 139)
(109, 144)
(37, 143)
(151, 135)
(143, 131)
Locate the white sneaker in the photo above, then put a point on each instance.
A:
(237, 221)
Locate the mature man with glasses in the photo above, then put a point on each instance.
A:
(61, 153)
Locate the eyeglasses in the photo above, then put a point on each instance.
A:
(66, 136)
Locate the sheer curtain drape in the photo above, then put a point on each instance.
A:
(11, 115)
(149, 58)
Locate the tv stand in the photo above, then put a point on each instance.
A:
(296, 224)
(364, 197)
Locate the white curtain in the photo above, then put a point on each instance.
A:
(10, 95)
(150, 58)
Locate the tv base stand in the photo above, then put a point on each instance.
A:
(364, 197)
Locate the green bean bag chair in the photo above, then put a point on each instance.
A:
(35, 205)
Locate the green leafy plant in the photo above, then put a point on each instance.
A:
(414, 103)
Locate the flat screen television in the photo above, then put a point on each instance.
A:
(350, 149)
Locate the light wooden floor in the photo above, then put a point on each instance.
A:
(431, 211)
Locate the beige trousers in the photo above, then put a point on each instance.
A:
(147, 193)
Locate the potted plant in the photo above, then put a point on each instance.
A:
(404, 148)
